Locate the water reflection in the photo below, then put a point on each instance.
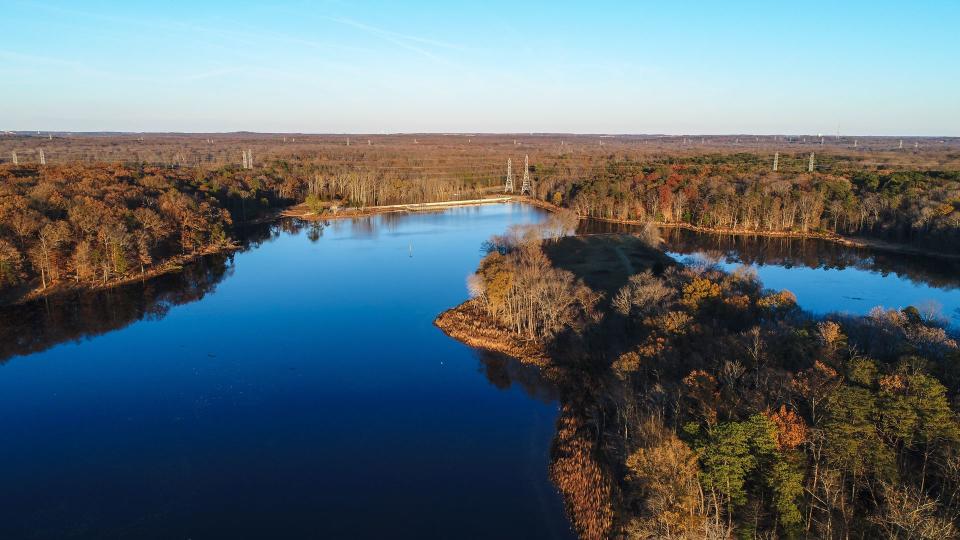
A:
(77, 315)
(504, 371)
(41, 324)
(825, 276)
(939, 272)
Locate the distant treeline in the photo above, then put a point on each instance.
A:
(95, 223)
(727, 193)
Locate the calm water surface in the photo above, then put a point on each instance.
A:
(299, 389)
(826, 277)
(296, 390)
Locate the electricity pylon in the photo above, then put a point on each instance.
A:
(526, 188)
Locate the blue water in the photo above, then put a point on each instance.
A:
(827, 278)
(306, 395)
(850, 290)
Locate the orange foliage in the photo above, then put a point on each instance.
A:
(791, 429)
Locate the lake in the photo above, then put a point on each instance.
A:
(299, 389)
(295, 390)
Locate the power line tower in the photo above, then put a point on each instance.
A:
(776, 160)
(508, 186)
(43, 159)
(810, 166)
(526, 188)
(244, 159)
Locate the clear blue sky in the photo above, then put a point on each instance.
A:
(389, 66)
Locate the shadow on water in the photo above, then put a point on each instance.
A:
(505, 371)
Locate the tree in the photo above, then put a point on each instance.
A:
(11, 263)
(729, 453)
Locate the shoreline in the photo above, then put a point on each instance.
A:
(174, 264)
(859, 242)
(300, 211)
(468, 324)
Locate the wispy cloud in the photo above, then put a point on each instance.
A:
(411, 43)
(218, 72)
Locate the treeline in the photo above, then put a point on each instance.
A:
(97, 224)
(727, 193)
(719, 409)
(100, 223)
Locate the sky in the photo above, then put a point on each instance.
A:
(682, 67)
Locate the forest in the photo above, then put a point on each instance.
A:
(103, 209)
(713, 192)
(698, 404)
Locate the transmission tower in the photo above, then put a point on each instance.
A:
(776, 160)
(43, 159)
(244, 159)
(508, 186)
(810, 167)
(525, 188)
